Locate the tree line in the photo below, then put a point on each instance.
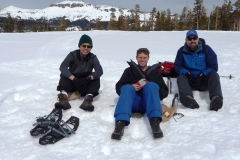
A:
(225, 17)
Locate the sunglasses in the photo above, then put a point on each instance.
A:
(88, 46)
(192, 38)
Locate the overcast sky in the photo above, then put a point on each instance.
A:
(175, 6)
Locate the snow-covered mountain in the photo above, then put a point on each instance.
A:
(71, 10)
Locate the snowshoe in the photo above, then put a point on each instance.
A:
(60, 130)
(43, 123)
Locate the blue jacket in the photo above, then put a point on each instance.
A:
(204, 59)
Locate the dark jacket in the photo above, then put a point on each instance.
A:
(204, 59)
(133, 74)
(80, 67)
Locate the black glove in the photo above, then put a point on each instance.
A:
(78, 82)
(201, 76)
(194, 82)
(189, 75)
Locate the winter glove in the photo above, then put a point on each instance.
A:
(78, 82)
(194, 82)
(201, 76)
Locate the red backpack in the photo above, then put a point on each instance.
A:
(167, 69)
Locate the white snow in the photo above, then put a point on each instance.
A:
(29, 69)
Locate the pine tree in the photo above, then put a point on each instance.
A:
(175, 22)
(163, 20)
(62, 25)
(158, 22)
(203, 21)
(183, 19)
(20, 25)
(226, 18)
(98, 24)
(168, 22)
(237, 14)
(136, 21)
(198, 11)
(8, 24)
(112, 25)
(152, 19)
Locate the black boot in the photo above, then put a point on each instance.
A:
(119, 130)
(189, 102)
(216, 103)
(87, 103)
(63, 102)
(157, 132)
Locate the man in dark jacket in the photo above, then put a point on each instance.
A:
(77, 75)
(140, 88)
(197, 66)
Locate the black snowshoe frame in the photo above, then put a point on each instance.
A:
(60, 130)
(43, 124)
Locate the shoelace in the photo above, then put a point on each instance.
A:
(119, 126)
(60, 97)
(155, 123)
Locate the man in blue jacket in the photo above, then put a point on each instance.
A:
(197, 66)
(141, 87)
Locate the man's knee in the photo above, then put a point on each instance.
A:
(151, 85)
(214, 75)
(127, 87)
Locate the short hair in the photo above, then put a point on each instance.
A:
(143, 50)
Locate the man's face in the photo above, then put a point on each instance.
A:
(142, 59)
(85, 48)
(192, 41)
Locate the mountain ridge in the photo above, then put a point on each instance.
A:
(70, 10)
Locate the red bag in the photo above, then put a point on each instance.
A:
(167, 69)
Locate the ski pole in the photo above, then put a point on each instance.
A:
(169, 84)
(230, 76)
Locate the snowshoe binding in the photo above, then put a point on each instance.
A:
(42, 124)
(60, 130)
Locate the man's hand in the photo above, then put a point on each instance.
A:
(72, 77)
(137, 87)
(79, 82)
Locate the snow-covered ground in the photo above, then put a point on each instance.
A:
(29, 69)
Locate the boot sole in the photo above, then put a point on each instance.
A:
(60, 106)
(91, 108)
(117, 136)
(189, 103)
(158, 135)
(216, 104)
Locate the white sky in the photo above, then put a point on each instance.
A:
(29, 74)
(176, 6)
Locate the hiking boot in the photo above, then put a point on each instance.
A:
(157, 132)
(189, 102)
(216, 103)
(63, 102)
(119, 130)
(73, 95)
(87, 103)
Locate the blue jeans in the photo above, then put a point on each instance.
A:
(130, 102)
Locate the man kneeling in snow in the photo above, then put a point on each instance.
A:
(141, 88)
(77, 76)
(197, 66)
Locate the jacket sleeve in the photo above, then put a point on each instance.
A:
(211, 60)
(65, 64)
(179, 63)
(156, 76)
(122, 81)
(98, 71)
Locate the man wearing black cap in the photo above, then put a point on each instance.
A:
(197, 66)
(77, 77)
